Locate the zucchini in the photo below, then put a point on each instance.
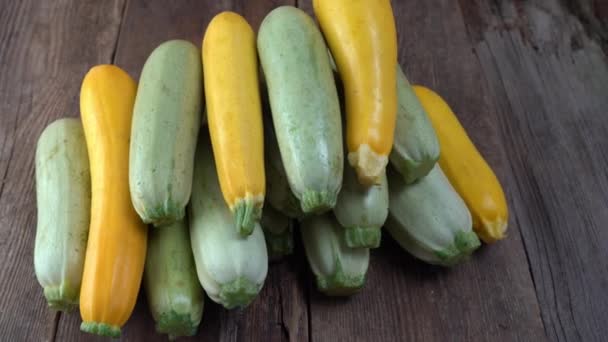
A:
(278, 232)
(175, 296)
(230, 267)
(415, 147)
(305, 106)
(362, 210)
(278, 192)
(63, 194)
(166, 121)
(339, 270)
(430, 220)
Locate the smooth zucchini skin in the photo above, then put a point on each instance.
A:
(175, 296)
(166, 122)
(415, 147)
(278, 191)
(339, 270)
(230, 267)
(362, 210)
(305, 106)
(63, 194)
(430, 220)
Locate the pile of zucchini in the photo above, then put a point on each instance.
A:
(142, 189)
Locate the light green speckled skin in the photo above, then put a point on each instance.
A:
(63, 194)
(175, 296)
(231, 268)
(339, 270)
(362, 210)
(305, 106)
(278, 233)
(278, 192)
(166, 121)
(430, 220)
(415, 147)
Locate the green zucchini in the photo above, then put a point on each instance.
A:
(430, 220)
(231, 268)
(166, 121)
(174, 294)
(63, 194)
(415, 147)
(339, 270)
(305, 106)
(362, 210)
(278, 233)
(278, 192)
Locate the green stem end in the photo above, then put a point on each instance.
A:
(246, 214)
(102, 329)
(363, 237)
(238, 293)
(317, 202)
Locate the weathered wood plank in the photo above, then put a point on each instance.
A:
(45, 49)
(552, 83)
(492, 296)
(280, 312)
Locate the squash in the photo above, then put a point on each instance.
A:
(175, 296)
(363, 42)
(63, 194)
(415, 148)
(466, 169)
(166, 121)
(305, 106)
(278, 232)
(339, 270)
(116, 248)
(230, 267)
(234, 116)
(429, 220)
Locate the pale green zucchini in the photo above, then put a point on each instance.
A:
(430, 220)
(415, 146)
(278, 192)
(339, 270)
(231, 268)
(305, 106)
(166, 121)
(175, 296)
(63, 195)
(362, 210)
(278, 233)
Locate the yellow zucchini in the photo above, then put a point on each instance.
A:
(234, 116)
(116, 248)
(362, 38)
(466, 169)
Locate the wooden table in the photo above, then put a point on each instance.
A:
(529, 80)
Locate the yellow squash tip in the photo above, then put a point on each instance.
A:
(491, 231)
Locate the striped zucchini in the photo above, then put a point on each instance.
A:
(430, 220)
(174, 294)
(415, 147)
(63, 194)
(305, 106)
(166, 121)
(362, 210)
(339, 270)
(231, 268)
(278, 233)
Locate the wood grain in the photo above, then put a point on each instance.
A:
(492, 296)
(45, 49)
(280, 312)
(551, 82)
